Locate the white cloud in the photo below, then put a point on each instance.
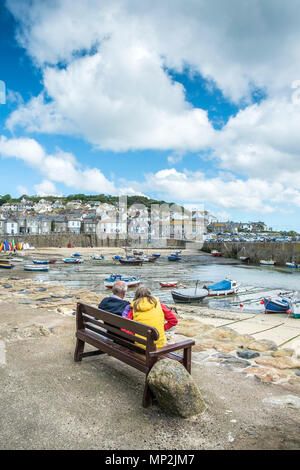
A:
(255, 195)
(62, 167)
(46, 188)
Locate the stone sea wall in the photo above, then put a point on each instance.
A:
(280, 252)
(90, 240)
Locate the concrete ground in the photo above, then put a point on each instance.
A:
(50, 402)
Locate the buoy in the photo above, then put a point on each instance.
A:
(184, 287)
(241, 304)
(262, 302)
(289, 311)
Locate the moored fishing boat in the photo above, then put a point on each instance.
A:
(6, 264)
(33, 267)
(279, 305)
(225, 287)
(131, 262)
(168, 284)
(189, 295)
(97, 257)
(117, 257)
(40, 261)
(156, 255)
(131, 281)
(292, 265)
(215, 253)
(296, 308)
(174, 258)
(76, 255)
(72, 260)
(265, 262)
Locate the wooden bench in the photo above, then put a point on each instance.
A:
(92, 322)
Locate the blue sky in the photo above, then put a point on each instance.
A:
(119, 97)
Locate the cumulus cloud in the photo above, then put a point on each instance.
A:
(255, 195)
(46, 188)
(61, 167)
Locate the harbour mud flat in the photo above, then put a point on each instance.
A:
(248, 370)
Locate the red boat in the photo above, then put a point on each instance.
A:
(52, 261)
(216, 253)
(168, 284)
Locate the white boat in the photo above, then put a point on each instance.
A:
(97, 257)
(292, 265)
(131, 281)
(215, 253)
(35, 267)
(267, 262)
(225, 287)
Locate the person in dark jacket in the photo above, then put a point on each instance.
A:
(115, 303)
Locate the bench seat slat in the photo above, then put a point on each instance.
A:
(116, 350)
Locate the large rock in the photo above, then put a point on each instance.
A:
(263, 345)
(278, 362)
(175, 389)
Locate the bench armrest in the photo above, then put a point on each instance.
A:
(172, 347)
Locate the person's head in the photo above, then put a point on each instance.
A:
(141, 293)
(120, 289)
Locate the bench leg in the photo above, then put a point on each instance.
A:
(78, 350)
(187, 359)
(147, 397)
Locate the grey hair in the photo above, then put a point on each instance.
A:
(119, 287)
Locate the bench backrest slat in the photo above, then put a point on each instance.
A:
(112, 324)
(108, 327)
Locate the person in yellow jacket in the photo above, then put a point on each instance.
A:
(147, 309)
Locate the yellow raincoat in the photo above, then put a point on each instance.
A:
(150, 315)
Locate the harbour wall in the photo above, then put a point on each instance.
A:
(281, 252)
(90, 240)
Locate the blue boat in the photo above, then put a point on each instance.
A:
(276, 305)
(156, 255)
(32, 267)
(117, 257)
(292, 265)
(39, 261)
(174, 258)
(225, 287)
(131, 281)
(76, 255)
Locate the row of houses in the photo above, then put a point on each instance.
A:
(111, 221)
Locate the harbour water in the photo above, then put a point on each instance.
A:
(256, 281)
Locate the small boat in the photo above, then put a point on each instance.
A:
(97, 257)
(146, 259)
(71, 260)
(41, 261)
(188, 296)
(225, 287)
(244, 259)
(131, 262)
(6, 264)
(33, 267)
(276, 305)
(76, 255)
(292, 265)
(174, 258)
(156, 255)
(131, 281)
(169, 284)
(264, 262)
(138, 253)
(117, 257)
(215, 253)
(296, 308)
